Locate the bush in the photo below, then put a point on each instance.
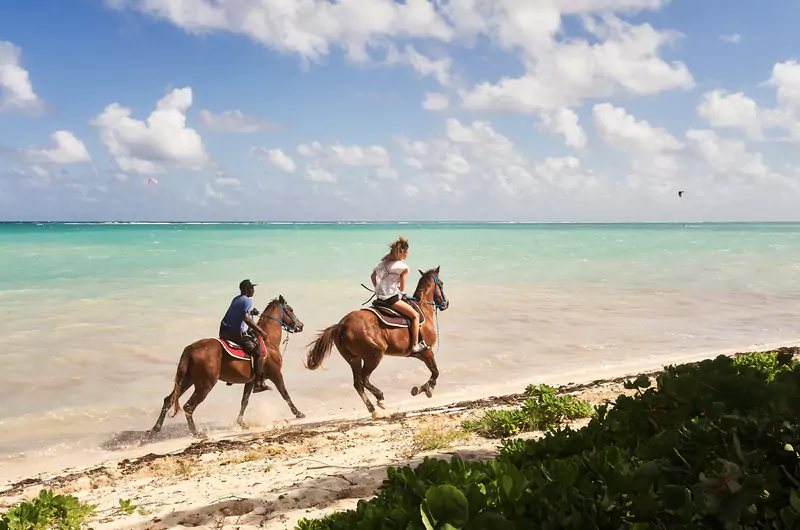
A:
(47, 511)
(712, 445)
(546, 410)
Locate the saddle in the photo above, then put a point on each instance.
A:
(392, 318)
(236, 351)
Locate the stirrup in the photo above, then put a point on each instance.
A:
(264, 387)
(420, 347)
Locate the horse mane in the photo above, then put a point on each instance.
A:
(271, 305)
(424, 283)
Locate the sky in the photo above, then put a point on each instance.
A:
(389, 110)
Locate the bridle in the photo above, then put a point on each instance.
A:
(284, 312)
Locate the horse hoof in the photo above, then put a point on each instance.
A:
(300, 415)
(429, 392)
(377, 414)
(382, 404)
(242, 424)
(415, 391)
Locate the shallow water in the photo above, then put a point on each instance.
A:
(95, 316)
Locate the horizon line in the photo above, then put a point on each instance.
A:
(361, 222)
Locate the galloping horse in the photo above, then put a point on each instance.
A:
(363, 338)
(206, 361)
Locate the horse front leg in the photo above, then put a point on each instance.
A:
(277, 378)
(427, 357)
(248, 390)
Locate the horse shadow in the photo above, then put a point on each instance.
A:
(132, 438)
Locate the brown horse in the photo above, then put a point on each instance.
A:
(363, 339)
(205, 362)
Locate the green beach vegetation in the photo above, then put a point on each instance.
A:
(543, 410)
(709, 445)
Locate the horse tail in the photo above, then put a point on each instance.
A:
(321, 348)
(183, 367)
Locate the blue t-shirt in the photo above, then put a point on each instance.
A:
(234, 318)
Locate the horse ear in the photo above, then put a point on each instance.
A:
(421, 273)
(437, 269)
(280, 298)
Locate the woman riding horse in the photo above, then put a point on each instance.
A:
(389, 280)
(363, 338)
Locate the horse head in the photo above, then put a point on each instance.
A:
(280, 311)
(431, 289)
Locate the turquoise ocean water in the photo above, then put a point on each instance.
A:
(95, 316)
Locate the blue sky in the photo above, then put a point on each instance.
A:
(531, 110)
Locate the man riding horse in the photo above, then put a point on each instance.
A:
(234, 324)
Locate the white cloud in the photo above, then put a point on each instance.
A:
(661, 163)
(733, 38)
(725, 110)
(317, 174)
(212, 193)
(227, 182)
(439, 69)
(66, 150)
(308, 150)
(470, 155)
(234, 121)
(386, 173)
(16, 90)
(565, 121)
(308, 28)
(721, 109)
(728, 160)
(325, 159)
(276, 157)
(162, 141)
(624, 132)
(566, 173)
(625, 60)
(653, 151)
(435, 101)
(371, 156)
(40, 171)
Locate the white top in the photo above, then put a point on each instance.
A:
(387, 276)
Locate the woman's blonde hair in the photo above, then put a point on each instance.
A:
(396, 249)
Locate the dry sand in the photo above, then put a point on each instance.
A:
(272, 479)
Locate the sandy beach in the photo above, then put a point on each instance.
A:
(274, 478)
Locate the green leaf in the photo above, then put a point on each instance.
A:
(447, 504)
(738, 446)
(490, 521)
(794, 501)
(425, 520)
(675, 497)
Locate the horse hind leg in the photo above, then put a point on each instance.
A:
(185, 384)
(366, 372)
(201, 390)
(358, 381)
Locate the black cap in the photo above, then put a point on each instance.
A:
(246, 284)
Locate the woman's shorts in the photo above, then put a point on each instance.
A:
(389, 302)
